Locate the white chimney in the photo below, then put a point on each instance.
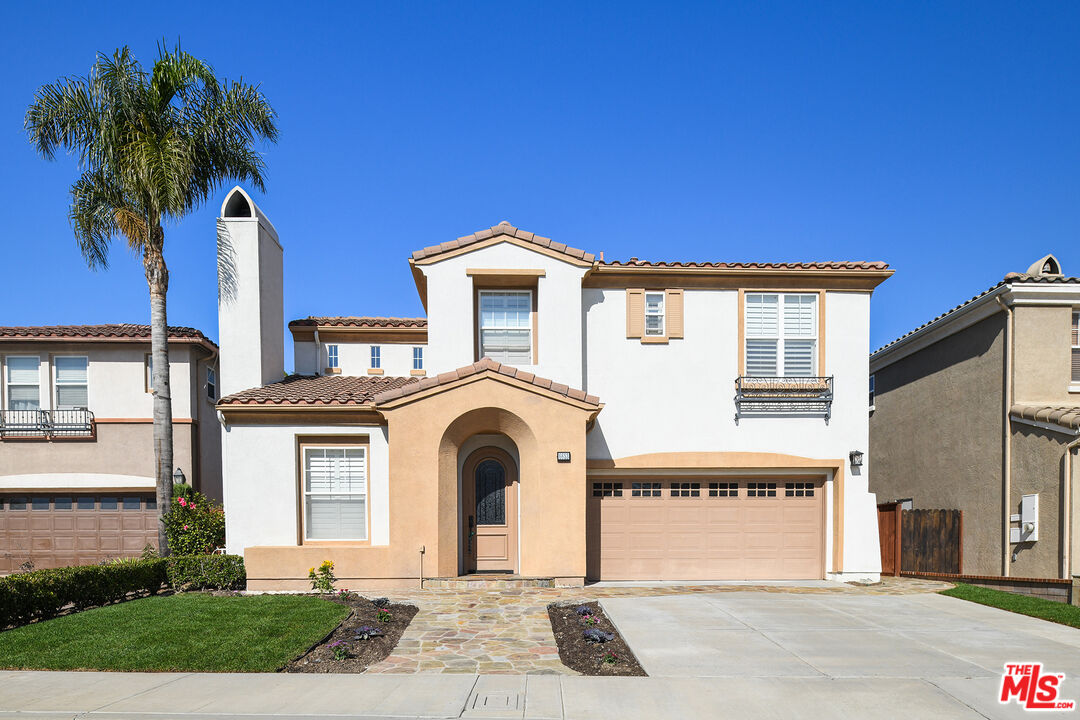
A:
(251, 312)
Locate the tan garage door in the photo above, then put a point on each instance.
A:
(57, 530)
(723, 529)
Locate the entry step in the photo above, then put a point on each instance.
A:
(487, 581)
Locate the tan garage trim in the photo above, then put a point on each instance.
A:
(732, 462)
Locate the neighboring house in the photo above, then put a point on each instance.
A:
(574, 418)
(979, 410)
(77, 477)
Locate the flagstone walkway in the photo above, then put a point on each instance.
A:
(508, 632)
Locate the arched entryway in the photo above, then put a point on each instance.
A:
(489, 507)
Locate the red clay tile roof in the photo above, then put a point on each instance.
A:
(1009, 279)
(503, 228)
(350, 321)
(486, 364)
(1064, 415)
(816, 265)
(96, 332)
(317, 390)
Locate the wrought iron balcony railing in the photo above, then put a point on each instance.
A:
(46, 423)
(792, 396)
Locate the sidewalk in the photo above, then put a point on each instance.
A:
(116, 696)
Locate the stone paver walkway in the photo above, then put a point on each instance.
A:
(508, 632)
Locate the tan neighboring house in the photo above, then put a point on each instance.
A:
(979, 410)
(76, 439)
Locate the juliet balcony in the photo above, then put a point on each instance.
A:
(46, 424)
(783, 397)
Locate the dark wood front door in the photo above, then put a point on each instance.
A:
(489, 497)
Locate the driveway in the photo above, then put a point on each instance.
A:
(929, 653)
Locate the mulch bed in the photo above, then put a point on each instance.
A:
(361, 653)
(587, 657)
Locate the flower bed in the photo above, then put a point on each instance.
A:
(367, 636)
(588, 641)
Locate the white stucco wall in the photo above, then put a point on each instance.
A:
(679, 397)
(354, 358)
(451, 312)
(261, 479)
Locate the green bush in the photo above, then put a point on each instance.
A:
(206, 572)
(195, 524)
(44, 593)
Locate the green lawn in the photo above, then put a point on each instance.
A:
(190, 632)
(1023, 604)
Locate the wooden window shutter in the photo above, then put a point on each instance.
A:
(635, 312)
(673, 303)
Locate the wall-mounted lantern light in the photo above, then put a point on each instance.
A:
(856, 458)
(562, 456)
(178, 477)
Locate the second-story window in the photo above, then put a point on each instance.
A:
(781, 335)
(211, 383)
(871, 392)
(1076, 346)
(654, 314)
(418, 358)
(22, 380)
(71, 389)
(376, 357)
(506, 326)
(332, 356)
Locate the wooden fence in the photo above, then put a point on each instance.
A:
(920, 541)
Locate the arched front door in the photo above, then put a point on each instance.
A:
(489, 505)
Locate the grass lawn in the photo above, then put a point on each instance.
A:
(1023, 604)
(190, 632)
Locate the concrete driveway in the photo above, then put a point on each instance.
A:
(929, 654)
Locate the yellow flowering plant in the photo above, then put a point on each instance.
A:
(322, 578)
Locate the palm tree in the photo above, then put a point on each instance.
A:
(151, 147)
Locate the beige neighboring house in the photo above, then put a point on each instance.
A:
(76, 439)
(979, 410)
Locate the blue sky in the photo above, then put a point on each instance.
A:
(943, 138)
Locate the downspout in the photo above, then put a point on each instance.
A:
(1007, 429)
(1066, 568)
(318, 353)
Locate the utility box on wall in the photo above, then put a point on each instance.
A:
(1028, 519)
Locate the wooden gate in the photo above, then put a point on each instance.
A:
(931, 541)
(889, 527)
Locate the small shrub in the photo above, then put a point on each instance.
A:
(322, 578)
(366, 632)
(341, 650)
(195, 524)
(383, 616)
(381, 602)
(206, 572)
(41, 594)
(345, 594)
(595, 635)
(590, 620)
(609, 658)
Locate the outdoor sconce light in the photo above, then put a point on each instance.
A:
(178, 477)
(562, 456)
(856, 458)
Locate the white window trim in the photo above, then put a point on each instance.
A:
(779, 337)
(7, 392)
(480, 318)
(376, 357)
(304, 493)
(56, 381)
(418, 356)
(333, 356)
(661, 314)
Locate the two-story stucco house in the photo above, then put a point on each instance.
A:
(554, 416)
(979, 410)
(77, 481)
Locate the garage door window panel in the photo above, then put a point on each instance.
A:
(761, 489)
(723, 489)
(685, 489)
(646, 489)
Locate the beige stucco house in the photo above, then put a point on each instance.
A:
(554, 416)
(76, 439)
(979, 410)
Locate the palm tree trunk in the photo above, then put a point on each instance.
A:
(157, 277)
